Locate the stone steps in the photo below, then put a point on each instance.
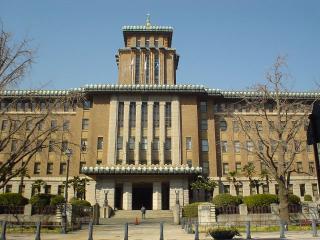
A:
(137, 213)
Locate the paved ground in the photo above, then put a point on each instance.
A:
(146, 231)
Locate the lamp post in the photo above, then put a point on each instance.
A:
(68, 153)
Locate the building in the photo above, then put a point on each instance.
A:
(144, 139)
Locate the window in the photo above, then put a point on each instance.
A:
(144, 143)
(238, 167)
(156, 114)
(311, 167)
(273, 145)
(314, 189)
(66, 125)
(42, 106)
(236, 127)
(226, 188)
(119, 142)
(14, 144)
(16, 124)
(204, 145)
(120, 114)
(60, 190)
(271, 126)
(247, 125)
(8, 188)
(217, 107)
(85, 124)
(64, 146)
(53, 124)
(225, 168)
(223, 125)
(299, 167)
(100, 143)
(82, 164)
(66, 107)
(259, 126)
(36, 168)
(155, 144)
(99, 161)
(63, 168)
(290, 189)
(40, 125)
(47, 189)
(156, 42)
(168, 144)
(137, 67)
(131, 143)
(29, 125)
(224, 146)
(276, 187)
(309, 148)
(260, 146)
(297, 145)
(253, 190)
(302, 189)
(39, 145)
(84, 144)
(51, 146)
(265, 189)
(19, 107)
(147, 68)
(204, 124)
(168, 114)
(147, 43)
(132, 113)
(203, 107)
(49, 168)
(22, 189)
(138, 43)
(156, 68)
(250, 146)
(144, 115)
(86, 104)
(237, 146)
(188, 143)
(4, 125)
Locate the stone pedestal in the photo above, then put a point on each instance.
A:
(206, 214)
(275, 208)
(96, 214)
(28, 210)
(176, 214)
(243, 209)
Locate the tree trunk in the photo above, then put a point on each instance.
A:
(283, 202)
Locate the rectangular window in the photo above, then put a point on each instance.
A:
(204, 124)
(49, 168)
(156, 68)
(155, 144)
(271, 126)
(39, 145)
(22, 189)
(156, 42)
(47, 189)
(237, 146)
(16, 124)
(131, 143)
(247, 125)
(188, 143)
(203, 107)
(223, 126)
(85, 124)
(66, 107)
(250, 146)
(137, 68)
(259, 126)
(100, 143)
(20, 107)
(226, 188)
(276, 187)
(238, 167)
(8, 188)
(51, 146)
(299, 167)
(119, 142)
(224, 146)
(29, 125)
(156, 114)
(168, 144)
(225, 168)
(4, 125)
(236, 127)
(138, 43)
(40, 125)
(82, 164)
(84, 144)
(260, 146)
(168, 114)
(36, 168)
(120, 114)
(311, 167)
(265, 189)
(53, 124)
(14, 144)
(144, 115)
(144, 143)
(60, 190)
(314, 189)
(290, 189)
(64, 146)
(43, 106)
(132, 114)
(66, 125)
(204, 145)
(309, 148)
(147, 68)
(147, 43)
(86, 104)
(297, 145)
(302, 189)
(63, 168)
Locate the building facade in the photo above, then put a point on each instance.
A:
(143, 140)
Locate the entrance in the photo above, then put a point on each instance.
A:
(118, 196)
(142, 195)
(165, 196)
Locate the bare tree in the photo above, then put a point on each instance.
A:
(273, 107)
(232, 178)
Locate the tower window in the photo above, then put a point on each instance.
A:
(168, 114)
(138, 42)
(144, 117)
(156, 114)
(132, 114)
(147, 43)
(120, 114)
(147, 67)
(156, 42)
(156, 68)
(137, 73)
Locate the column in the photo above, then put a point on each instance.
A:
(112, 137)
(126, 110)
(138, 133)
(162, 131)
(175, 132)
(91, 192)
(246, 188)
(176, 185)
(127, 196)
(150, 132)
(156, 196)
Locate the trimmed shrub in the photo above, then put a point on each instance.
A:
(80, 203)
(260, 200)
(56, 200)
(223, 233)
(294, 199)
(226, 199)
(40, 200)
(191, 210)
(307, 198)
(13, 199)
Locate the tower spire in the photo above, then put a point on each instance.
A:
(148, 23)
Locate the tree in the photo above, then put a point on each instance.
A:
(286, 116)
(36, 186)
(249, 171)
(206, 184)
(79, 186)
(232, 177)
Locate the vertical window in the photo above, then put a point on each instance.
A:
(299, 167)
(250, 146)
(203, 107)
(226, 188)
(4, 125)
(132, 114)
(302, 189)
(40, 125)
(265, 189)
(36, 168)
(85, 124)
(29, 125)
(238, 167)
(168, 144)
(144, 143)
(204, 124)
(276, 187)
(84, 144)
(137, 72)
(260, 146)
(22, 189)
(42, 106)
(66, 107)
(225, 168)
(39, 145)
(290, 189)
(19, 106)
(259, 126)
(147, 67)
(82, 164)
(224, 146)
(100, 143)
(168, 114)
(311, 167)
(86, 104)
(297, 145)
(64, 146)
(271, 126)
(49, 168)
(16, 124)
(47, 189)
(156, 114)
(188, 143)
(247, 125)
(156, 42)
(66, 125)
(8, 188)
(51, 146)
(131, 143)
(223, 126)
(53, 124)
(63, 168)
(155, 144)
(235, 126)
(144, 117)
(147, 43)
(204, 145)
(120, 114)
(60, 190)
(14, 144)
(156, 68)
(314, 189)
(138, 43)
(236, 146)
(119, 142)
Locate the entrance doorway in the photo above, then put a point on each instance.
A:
(142, 195)
(118, 196)
(165, 196)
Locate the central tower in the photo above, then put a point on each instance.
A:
(147, 57)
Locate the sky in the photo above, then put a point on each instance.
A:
(226, 44)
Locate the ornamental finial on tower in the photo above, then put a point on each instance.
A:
(148, 23)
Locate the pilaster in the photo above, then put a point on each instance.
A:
(162, 131)
(156, 196)
(125, 130)
(175, 132)
(150, 132)
(112, 137)
(127, 196)
(138, 133)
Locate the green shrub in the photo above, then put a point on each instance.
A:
(294, 199)
(56, 200)
(191, 210)
(260, 200)
(223, 233)
(78, 202)
(13, 199)
(226, 199)
(40, 200)
(307, 198)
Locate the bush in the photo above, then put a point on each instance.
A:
(307, 198)
(260, 200)
(294, 199)
(226, 199)
(223, 233)
(40, 200)
(81, 203)
(56, 200)
(191, 210)
(13, 199)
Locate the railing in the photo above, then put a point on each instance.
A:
(82, 214)
(295, 208)
(259, 209)
(11, 209)
(227, 210)
(47, 210)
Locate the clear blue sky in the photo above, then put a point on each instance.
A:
(222, 44)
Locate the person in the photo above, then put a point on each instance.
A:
(143, 212)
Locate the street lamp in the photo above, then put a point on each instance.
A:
(68, 153)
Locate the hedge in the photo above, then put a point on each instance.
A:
(56, 200)
(307, 198)
(226, 199)
(294, 199)
(221, 233)
(260, 200)
(40, 200)
(78, 202)
(191, 210)
(13, 199)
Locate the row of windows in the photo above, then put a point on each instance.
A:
(62, 167)
(146, 42)
(29, 125)
(84, 144)
(143, 143)
(35, 190)
(146, 69)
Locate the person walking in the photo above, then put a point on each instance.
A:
(143, 212)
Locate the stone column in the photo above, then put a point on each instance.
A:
(162, 131)
(127, 196)
(91, 192)
(138, 133)
(112, 137)
(176, 185)
(156, 196)
(246, 188)
(125, 130)
(175, 132)
(150, 132)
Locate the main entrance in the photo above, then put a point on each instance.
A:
(142, 195)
